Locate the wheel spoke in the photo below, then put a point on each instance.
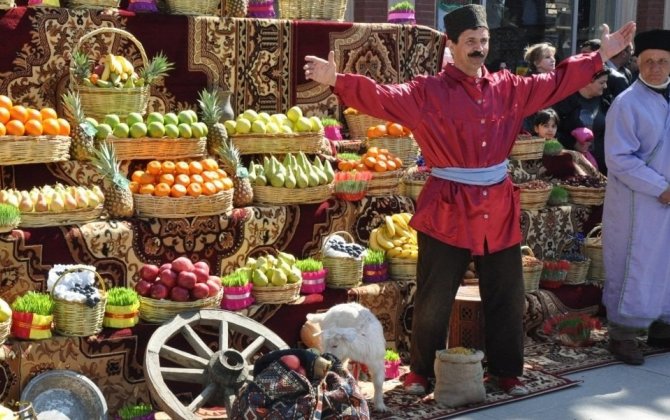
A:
(193, 376)
(252, 348)
(203, 397)
(183, 358)
(223, 335)
(196, 342)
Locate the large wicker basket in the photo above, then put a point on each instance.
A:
(194, 7)
(163, 148)
(404, 148)
(278, 143)
(359, 123)
(16, 150)
(534, 199)
(593, 249)
(402, 269)
(76, 318)
(384, 183)
(97, 102)
(171, 207)
(64, 218)
(532, 270)
(321, 10)
(527, 148)
(93, 4)
(280, 196)
(585, 196)
(343, 272)
(277, 294)
(158, 311)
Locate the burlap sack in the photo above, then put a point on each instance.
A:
(459, 378)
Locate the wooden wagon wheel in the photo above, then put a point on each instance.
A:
(220, 372)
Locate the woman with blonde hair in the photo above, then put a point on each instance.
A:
(540, 58)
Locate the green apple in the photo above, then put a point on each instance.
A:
(172, 131)
(243, 126)
(104, 130)
(294, 113)
(185, 131)
(184, 117)
(170, 118)
(112, 120)
(92, 121)
(287, 124)
(194, 116)
(303, 125)
(279, 118)
(250, 114)
(156, 129)
(197, 131)
(272, 128)
(230, 127)
(137, 130)
(121, 130)
(316, 124)
(134, 117)
(203, 127)
(264, 116)
(258, 127)
(155, 117)
(286, 129)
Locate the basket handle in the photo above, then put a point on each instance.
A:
(117, 31)
(344, 233)
(526, 250)
(76, 270)
(595, 231)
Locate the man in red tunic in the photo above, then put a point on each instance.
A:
(466, 120)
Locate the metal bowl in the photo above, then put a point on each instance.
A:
(65, 394)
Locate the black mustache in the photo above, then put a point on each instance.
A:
(476, 54)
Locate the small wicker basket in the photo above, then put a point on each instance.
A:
(64, 218)
(163, 148)
(343, 272)
(5, 328)
(93, 4)
(158, 311)
(404, 148)
(97, 102)
(76, 318)
(282, 196)
(7, 4)
(194, 7)
(384, 183)
(277, 294)
(402, 269)
(577, 272)
(593, 249)
(527, 148)
(534, 199)
(278, 143)
(532, 270)
(319, 10)
(359, 123)
(585, 196)
(171, 207)
(17, 150)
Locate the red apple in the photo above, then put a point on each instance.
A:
(203, 265)
(166, 266)
(186, 279)
(292, 362)
(99, 69)
(158, 291)
(201, 275)
(149, 272)
(179, 294)
(200, 291)
(182, 264)
(214, 286)
(142, 288)
(168, 278)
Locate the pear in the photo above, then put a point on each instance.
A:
(285, 256)
(96, 189)
(41, 203)
(81, 197)
(57, 204)
(12, 199)
(266, 164)
(277, 180)
(33, 194)
(279, 278)
(251, 262)
(261, 180)
(328, 170)
(313, 177)
(260, 262)
(5, 314)
(93, 199)
(258, 278)
(70, 201)
(302, 160)
(3, 196)
(295, 275)
(26, 204)
(290, 181)
(252, 172)
(287, 160)
(301, 178)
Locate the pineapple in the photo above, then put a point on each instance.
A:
(243, 194)
(82, 133)
(118, 198)
(236, 8)
(158, 67)
(210, 107)
(81, 66)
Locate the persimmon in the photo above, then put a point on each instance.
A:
(177, 190)
(5, 102)
(15, 128)
(194, 190)
(64, 127)
(380, 166)
(182, 179)
(168, 167)
(33, 114)
(154, 167)
(134, 187)
(381, 157)
(33, 128)
(162, 190)
(208, 188)
(361, 167)
(395, 130)
(380, 130)
(19, 112)
(51, 127)
(195, 167)
(372, 151)
(371, 132)
(137, 176)
(147, 189)
(4, 115)
(47, 113)
(383, 151)
(406, 131)
(166, 179)
(398, 162)
(209, 164)
(182, 167)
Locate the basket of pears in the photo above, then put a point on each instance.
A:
(276, 279)
(112, 84)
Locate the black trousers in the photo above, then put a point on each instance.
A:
(440, 271)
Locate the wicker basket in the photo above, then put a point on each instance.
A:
(194, 7)
(163, 148)
(93, 4)
(527, 148)
(577, 272)
(585, 196)
(97, 102)
(8, 228)
(64, 218)
(158, 311)
(277, 294)
(321, 10)
(171, 207)
(402, 269)
(278, 143)
(280, 196)
(534, 199)
(16, 150)
(359, 123)
(593, 249)
(531, 272)
(404, 148)
(343, 272)
(7, 4)
(5, 327)
(76, 318)
(384, 183)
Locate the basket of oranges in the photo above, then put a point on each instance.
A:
(386, 169)
(395, 138)
(359, 123)
(31, 135)
(167, 189)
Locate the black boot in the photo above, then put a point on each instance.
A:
(659, 334)
(626, 351)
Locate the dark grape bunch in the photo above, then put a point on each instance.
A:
(353, 250)
(89, 292)
(585, 181)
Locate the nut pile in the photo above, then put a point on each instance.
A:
(534, 185)
(586, 181)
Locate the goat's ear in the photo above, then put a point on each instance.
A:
(349, 334)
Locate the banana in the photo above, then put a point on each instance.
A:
(399, 241)
(106, 72)
(413, 254)
(407, 217)
(373, 244)
(409, 246)
(406, 253)
(399, 221)
(393, 252)
(382, 240)
(126, 64)
(390, 226)
(115, 64)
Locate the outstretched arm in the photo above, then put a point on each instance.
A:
(320, 70)
(612, 44)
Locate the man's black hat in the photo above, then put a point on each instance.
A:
(467, 17)
(656, 39)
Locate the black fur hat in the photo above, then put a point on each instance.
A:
(656, 39)
(471, 16)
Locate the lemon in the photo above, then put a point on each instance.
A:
(5, 311)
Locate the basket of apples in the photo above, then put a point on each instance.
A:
(176, 287)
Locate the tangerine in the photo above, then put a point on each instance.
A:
(166, 179)
(147, 189)
(3, 129)
(64, 127)
(383, 151)
(406, 131)
(136, 176)
(390, 165)
(168, 167)
(219, 185)
(197, 179)
(227, 183)
(33, 128)
(209, 175)
(134, 187)
(33, 114)
(47, 113)
(398, 162)
(147, 178)
(395, 130)
(208, 188)
(209, 164)
(5, 102)
(162, 190)
(370, 132)
(382, 157)
(370, 162)
(51, 127)
(195, 167)
(154, 167)
(4, 115)
(15, 128)
(182, 179)
(222, 173)
(361, 167)
(194, 190)
(372, 151)
(19, 112)
(182, 167)
(379, 130)
(177, 191)
(380, 166)
(345, 165)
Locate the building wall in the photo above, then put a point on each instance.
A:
(375, 11)
(650, 14)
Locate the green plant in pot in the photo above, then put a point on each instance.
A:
(10, 216)
(402, 12)
(558, 196)
(237, 289)
(391, 364)
(552, 147)
(313, 275)
(331, 128)
(122, 308)
(375, 266)
(32, 315)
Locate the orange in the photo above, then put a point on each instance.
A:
(51, 127)
(406, 131)
(94, 78)
(208, 188)
(5, 102)
(34, 114)
(390, 165)
(218, 184)
(197, 179)
(15, 128)
(345, 165)
(154, 167)
(134, 187)
(147, 178)
(395, 129)
(381, 157)
(209, 164)
(182, 179)
(166, 179)
(398, 162)
(64, 127)
(3, 130)
(370, 162)
(195, 167)
(177, 191)
(19, 112)
(372, 151)
(33, 128)
(227, 183)
(380, 166)
(168, 167)
(379, 130)
(147, 189)
(47, 113)
(162, 189)
(137, 176)
(4, 115)
(209, 175)
(371, 132)
(194, 190)
(383, 151)
(181, 167)
(222, 173)
(361, 167)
